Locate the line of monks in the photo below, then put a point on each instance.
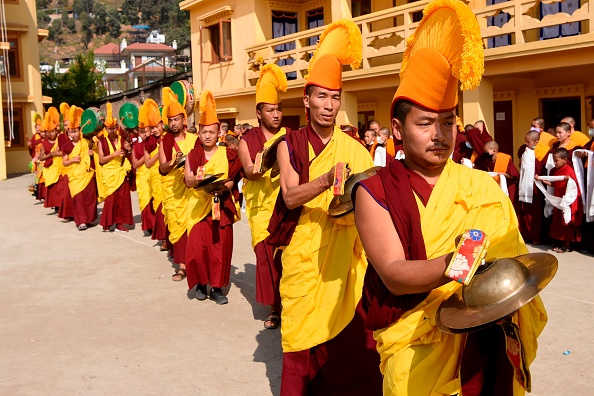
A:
(359, 292)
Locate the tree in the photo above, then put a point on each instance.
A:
(85, 28)
(55, 30)
(62, 3)
(114, 25)
(80, 6)
(130, 10)
(42, 18)
(42, 4)
(64, 17)
(100, 21)
(71, 25)
(82, 85)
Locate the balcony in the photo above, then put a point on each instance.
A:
(509, 29)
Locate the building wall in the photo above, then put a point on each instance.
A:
(29, 85)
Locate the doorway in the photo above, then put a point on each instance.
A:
(504, 126)
(291, 122)
(555, 109)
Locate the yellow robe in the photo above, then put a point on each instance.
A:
(113, 173)
(324, 264)
(544, 145)
(51, 174)
(260, 196)
(155, 181)
(81, 174)
(579, 139)
(175, 198)
(200, 201)
(144, 186)
(418, 359)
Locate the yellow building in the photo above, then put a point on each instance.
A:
(539, 58)
(20, 83)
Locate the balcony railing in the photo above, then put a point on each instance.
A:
(385, 33)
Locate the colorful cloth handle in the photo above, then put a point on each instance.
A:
(468, 256)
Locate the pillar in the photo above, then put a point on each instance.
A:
(340, 9)
(478, 105)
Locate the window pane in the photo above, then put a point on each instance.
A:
(17, 125)
(215, 43)
(226, 39)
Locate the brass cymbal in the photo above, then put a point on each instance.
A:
(269, 156)
(208, 179)
(496, 291)
(342, 205)
(181, 162)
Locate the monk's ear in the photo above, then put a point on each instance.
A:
(397, 128)
(306, 101)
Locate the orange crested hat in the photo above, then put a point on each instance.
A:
(53, 117)
(143, 116)
(445, 48)
(73, 116)
(272, 79)
(44, 124)
(153, 116)
(208, 109)
(171, 106)
(340, 44)
(109, 120)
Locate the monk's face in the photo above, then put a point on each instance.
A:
(157, 130)
(53, 133)
(43, 134)
(369, 137)
(270, 116)
(480, 126)
(428, 137)
(562, 134)
(176, 123)
(558, 161)
(74, 134)
(323, 105)
(37, 128)
(530, 143)
(209, 135)
(112, 131)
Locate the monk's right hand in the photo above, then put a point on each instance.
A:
(118, 153)
(76, 159)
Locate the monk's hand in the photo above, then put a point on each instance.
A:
(327, 180)
(536, 177)
(566, 178)
(118, 153)
(91, 152)
(507, 176)
(76, 159)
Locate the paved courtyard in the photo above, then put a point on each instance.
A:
(92, 313)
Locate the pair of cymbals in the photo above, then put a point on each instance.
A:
(497, 290)
(210, 183)
(342, 204)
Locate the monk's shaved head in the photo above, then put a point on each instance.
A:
(569, 120)
(385, 132)
(533, 135)
(491, 145)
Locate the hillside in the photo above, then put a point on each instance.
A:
(76, 26)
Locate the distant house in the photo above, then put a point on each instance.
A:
(131, 66)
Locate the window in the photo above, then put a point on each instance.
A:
(315, 18)
(220, 40)
(283, 24)
(18, 131)
(360, 7)
(14, 58)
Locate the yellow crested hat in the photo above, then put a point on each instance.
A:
(153, 116)
(143, 116)
(44, 124)
(340, 44)
(208, 109)
(171, 106)
(446, 48)
(73, 116)
(272, 79)
(109, 120)
(37, 119)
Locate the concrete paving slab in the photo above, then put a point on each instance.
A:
(93, 313)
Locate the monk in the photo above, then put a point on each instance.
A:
(494, 161)
(143, 174)
(151, 161)
(261, 188)
(66, 209)
(545, 141)
(175, 144)
(326, 350)
(51, 172)
(210, 214)
(578, 138)
(113, 158)
(80, 165)
(408, 217)
(531, 200)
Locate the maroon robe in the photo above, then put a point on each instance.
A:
(147, 215)
(484, 362)
(210, 242)
(117, 208)
(348, 363)
(66, 210)
(52, 194)
(559, 229)
(268, 267)
(530, 215)
(485, 163)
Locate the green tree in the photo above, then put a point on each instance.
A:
(130, 10)
(80, 6)
(81, 86)
(42, 4)
(62, 3)
(100, 20)
(114, 25)
(86, 28)
(55, 31)
(64, 17)
(42, 18)
(71, 25)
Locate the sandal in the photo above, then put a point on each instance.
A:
(179, 275)
(272, 321)
(560, 250)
